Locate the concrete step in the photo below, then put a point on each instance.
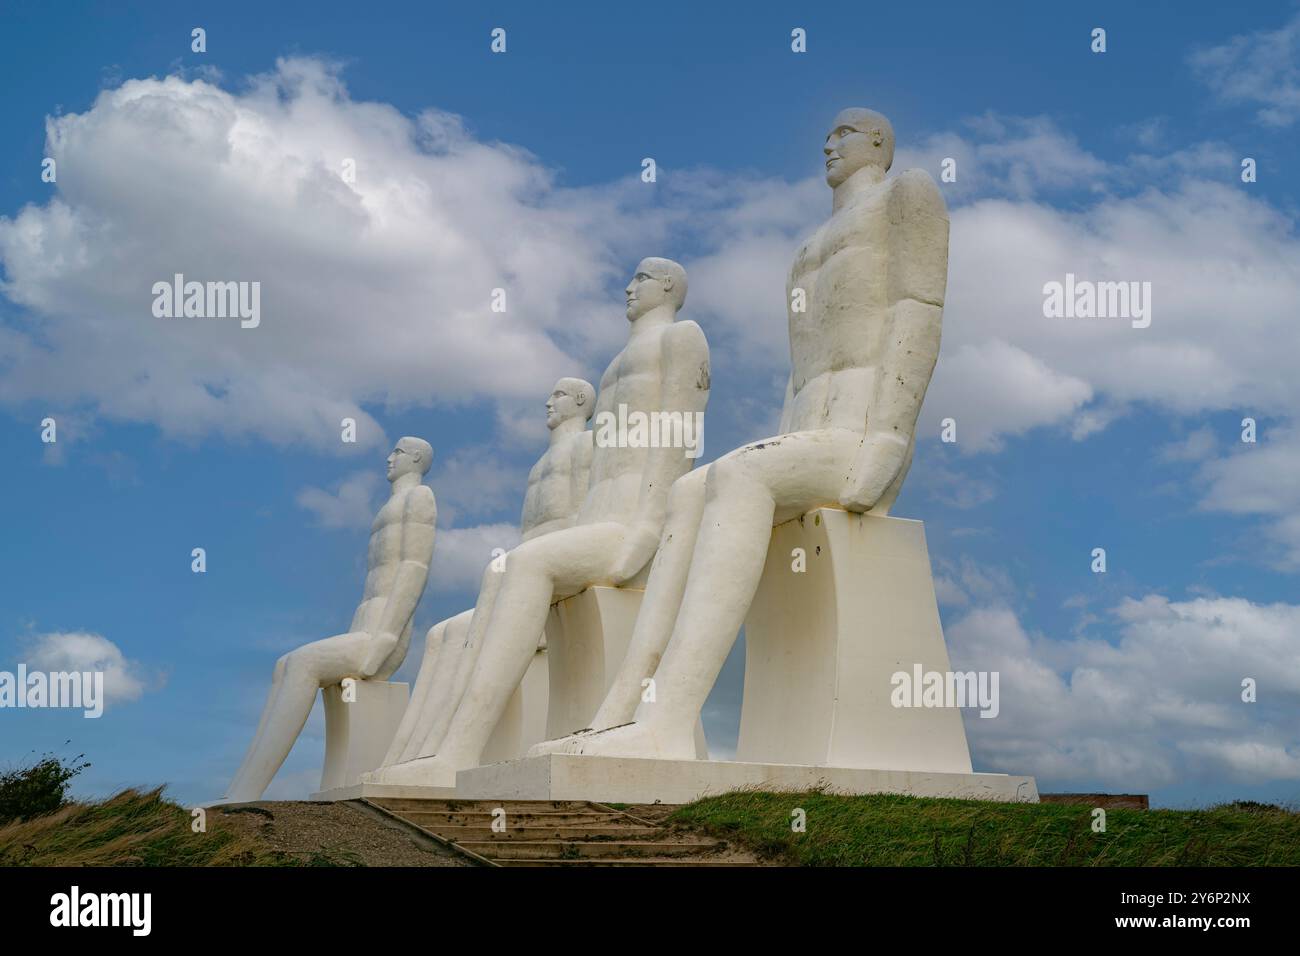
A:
(431, 819)
(403, 804)
(461, 834)
(632, 861)
(498, 850)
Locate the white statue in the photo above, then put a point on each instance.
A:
(862, 350)
(401, 546)
(557, 485)
(664, 368)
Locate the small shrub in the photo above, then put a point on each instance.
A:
(38, 788)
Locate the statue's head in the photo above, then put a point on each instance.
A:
(656, 282)
(409, 456)
(858, 138)
(572, 397)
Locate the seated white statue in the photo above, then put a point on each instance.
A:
(401, 546)
(557, 485)
(862, 351)
(664, 368)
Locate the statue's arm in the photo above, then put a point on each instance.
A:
(419, 520)
(580, 470)
(685, 389)
(917, 276)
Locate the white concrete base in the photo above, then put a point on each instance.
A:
(358, 732)
(587, 636)
(641, 780)
(358, 791)
(586, 640)
(822, 643)
(524, 722)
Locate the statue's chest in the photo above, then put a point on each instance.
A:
(853, 234)
(389, 514)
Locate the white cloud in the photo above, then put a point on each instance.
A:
(124, 680)
(476, 482)
(461, 554)
(1260, 69)
(1160, 704)
(1261, 479)
(351, 505)
(376, 291)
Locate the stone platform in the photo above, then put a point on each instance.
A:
(642, 780)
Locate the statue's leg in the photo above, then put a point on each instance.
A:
(746, 490)
(417, 709)
(465, 640)
(654, 622)
(556, 564)
(886, 501)
(298, 675)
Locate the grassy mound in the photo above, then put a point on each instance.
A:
(129, 829)
(886, 830)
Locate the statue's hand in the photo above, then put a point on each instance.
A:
(879, 462)
(382, 644)
(639, 546)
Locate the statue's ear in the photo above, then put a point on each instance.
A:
(877, 136)
(580, 397)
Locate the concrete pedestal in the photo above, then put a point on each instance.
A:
(822, 643)
(641, 780)
(587, 637)
(524, 722)
(358, 732)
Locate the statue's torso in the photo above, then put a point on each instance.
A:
(634, 378)
(383, 558)
(837, 343)
(556, 486)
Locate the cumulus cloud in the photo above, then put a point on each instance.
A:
(461, 554)
(1259, 479)
(350, 505)
(1160, 704)
(124, 680)
(376, 290)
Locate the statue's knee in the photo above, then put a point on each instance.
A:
(433, 637)
(728, 472)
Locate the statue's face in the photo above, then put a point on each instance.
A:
(645, 292)
(848, 148)
(560, 407)
(403, 460)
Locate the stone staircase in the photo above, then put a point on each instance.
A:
(560, 833)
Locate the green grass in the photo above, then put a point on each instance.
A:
(129, 829)
(914, 831)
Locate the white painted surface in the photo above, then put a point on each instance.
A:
(357, 732)
(645, 780)
(822, 644)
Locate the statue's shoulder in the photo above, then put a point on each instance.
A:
(420, 504)
(684, 338)
(915, 190)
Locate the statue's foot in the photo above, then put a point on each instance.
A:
(422, 772)
(632, 740)
(560, 745)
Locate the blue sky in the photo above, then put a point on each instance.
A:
(522, 170)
